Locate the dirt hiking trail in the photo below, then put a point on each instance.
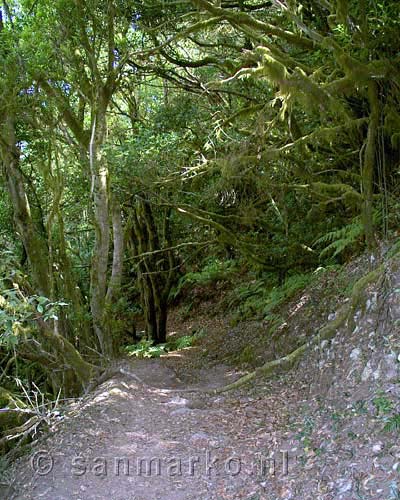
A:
(157, 430)
(143, 435)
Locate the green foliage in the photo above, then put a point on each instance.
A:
(383, 405)
(393, 424)
(360, 407)
(259, 299)
(249, 299)
(305, 433)
(346, 238)
(394, 249)
(181, 343)
(340, 239)
(239, 145)
(290, 287)
(215, 270)
(146, 348)
(19, 312)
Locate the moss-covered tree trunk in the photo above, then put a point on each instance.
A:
(368, 166)
(155, 267)
(34, 244)
(100, 196)
(52, 336)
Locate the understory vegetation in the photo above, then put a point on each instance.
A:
(162, 154)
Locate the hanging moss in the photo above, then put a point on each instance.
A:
(342, 11)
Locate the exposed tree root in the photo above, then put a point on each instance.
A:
(343, 315)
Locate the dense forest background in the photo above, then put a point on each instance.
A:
(146, 146)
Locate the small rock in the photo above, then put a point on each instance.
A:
(390, 367)
(219, 399)
(199, 436)
(367, 372)
(245, 400)
(355, 353)
(344, 485)
(178, 401)
(395, 451)
(197, 404)
(377, 374)
(378, 447)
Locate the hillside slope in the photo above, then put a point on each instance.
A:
(325, 430)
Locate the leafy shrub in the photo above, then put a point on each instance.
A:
(249, 298)
(146, 349)
(290, 287)
(340, 239)
(18, 312)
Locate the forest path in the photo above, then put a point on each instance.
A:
(132, 440)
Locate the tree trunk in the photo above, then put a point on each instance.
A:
(35, 246)
(72, 359)
(112, 320)
(368, 167)
(155, 269)
(38, 255)
(118, 254)
(98, 277)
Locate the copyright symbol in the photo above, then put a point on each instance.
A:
(42, 463)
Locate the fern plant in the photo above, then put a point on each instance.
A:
(215, 270)
(338, 240)
(260, 298)
(393, 424)
(146, 349)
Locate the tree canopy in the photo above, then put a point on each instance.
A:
(137, 139)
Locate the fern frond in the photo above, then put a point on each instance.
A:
(340, 239)
(393, 424)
